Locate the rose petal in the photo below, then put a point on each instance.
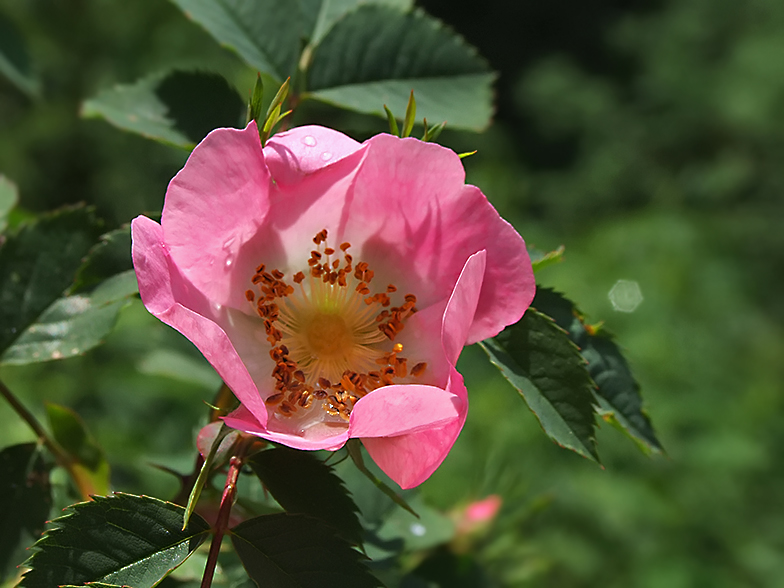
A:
(169, 296)
(303, 150)
(409, 459)
(214, 205)
(401, 409)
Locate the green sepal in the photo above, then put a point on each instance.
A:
(256, 100)
(410, 118)
(393, 128)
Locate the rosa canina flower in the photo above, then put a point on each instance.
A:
(333, 285)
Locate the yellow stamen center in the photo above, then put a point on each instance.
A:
(331, 338)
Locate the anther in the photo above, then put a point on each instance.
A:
(344, 246)
(249, 295)
(418, 369)
(298, 277)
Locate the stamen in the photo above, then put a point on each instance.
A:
(327, 338)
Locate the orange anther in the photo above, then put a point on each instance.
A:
(298, 277)
(418, 369)
(249, 295)
(344, 246)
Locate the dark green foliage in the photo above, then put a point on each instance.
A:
(120, 539)
(302, 483)
(540, 361)
(296, 551)
(38, 263)
(109, 257)
(617, 390)
(25, 496)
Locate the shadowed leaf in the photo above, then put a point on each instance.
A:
(302, 483)
(117, 540)
(26, 497)
(542, 363)
(617, 390)
(296, 551)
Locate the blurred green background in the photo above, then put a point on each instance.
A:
(648, 138)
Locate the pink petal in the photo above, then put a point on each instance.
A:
(167, 295)
(303, 150)
(402, 409)
(321, 437)
(414, 216)
(214, 205)
(410, 458)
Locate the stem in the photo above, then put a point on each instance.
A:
(60, 455)
(222, 522)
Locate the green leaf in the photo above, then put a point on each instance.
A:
(109, 257)
(542, 363)
(89, 465)
(37, 264)
(410, 118)
(73, 324)
(296, 551)
(178, 108)
(9, 196)
(118, 540)
(433, 528)
(328, 12)
(377, 55)
(302, 483)
(617, 390)
(14, 60)
(256, 100)
(265, 33)
(26, 497)
(540, 260)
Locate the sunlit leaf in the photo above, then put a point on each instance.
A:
(290, 550)
(9, 196)
(325, 13)
(376, 55)
(37, 264)
(302, 483)
(118, 540)
(14, 59)
(540, 259)
(73, 324)
(89, 465)
(432, 528)
(265, 33)
(26, 499)
(178, 108)
(617, 390)
(542, 363)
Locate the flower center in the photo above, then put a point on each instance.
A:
(331, 338)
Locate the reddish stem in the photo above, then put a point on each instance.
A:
(222, 523)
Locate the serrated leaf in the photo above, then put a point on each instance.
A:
(617, 390)
(302, 483)
(109, 257)
(178, 108)
(14, 59)
(73, 324)
(265, 33)
(297, 551)
(377, 55)
(542, 363)
(9, 196)
(119, 540)
(327, 12)
(88, 463)
(37, 264)
(26, 497)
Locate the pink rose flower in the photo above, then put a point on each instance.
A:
(333, 284)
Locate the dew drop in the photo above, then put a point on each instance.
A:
(229, 261)
(326, 156)
(309, 140)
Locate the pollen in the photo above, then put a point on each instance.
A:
(332, 336)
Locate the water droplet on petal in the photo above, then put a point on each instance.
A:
(228, 243)
(326, 156)
(309, 140)
(229, 261)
